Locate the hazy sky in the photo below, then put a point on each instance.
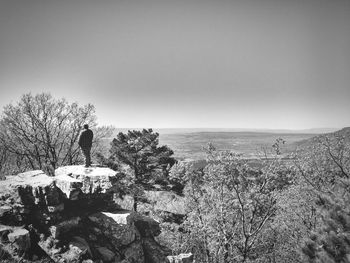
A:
(183, 63)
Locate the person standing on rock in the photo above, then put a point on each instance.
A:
(85, 143)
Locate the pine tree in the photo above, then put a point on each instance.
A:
(140, 151)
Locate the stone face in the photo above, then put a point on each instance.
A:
(49, 246)
(5, 209)
(25, 188)
(77, 247)
(64, 227)
(4, 231)
(182, 258)
(64, 218)
(154, 253)
(21, 239)
(146, 226)
(90, 180)
(166, 201)
(134, 253)
(75, 252)
(81, 245)
(105, 254)
(126, 202)
(28, 195)
(118, 227)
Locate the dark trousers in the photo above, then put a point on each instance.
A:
(87, 155)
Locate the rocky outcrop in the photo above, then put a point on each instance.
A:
(166, 201)
(119, 228)
(182, 258)
(20, 239)
(105, 254)
(161, 201)
(154, 252)
(27, 195)
(72, 217)
(125, 202)
(73, 180)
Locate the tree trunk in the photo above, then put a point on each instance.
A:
(135, 203)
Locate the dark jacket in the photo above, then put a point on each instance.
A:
(85, 139)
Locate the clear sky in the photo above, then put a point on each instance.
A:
(183, 63)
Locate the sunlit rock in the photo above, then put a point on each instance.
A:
(182, 258)
(21, 239)
(118, 227)
(76, 178)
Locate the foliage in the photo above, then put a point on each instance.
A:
(277, 145)
(275, 209)
(327, 170)
(296, 218)
(229, 206)
(42, 132)
(140, 151)
(174, 237)
(182, 173)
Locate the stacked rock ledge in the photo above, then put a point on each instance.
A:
(71, 217)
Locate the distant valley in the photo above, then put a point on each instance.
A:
(189, 146)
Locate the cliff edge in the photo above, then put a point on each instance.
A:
(72, 217)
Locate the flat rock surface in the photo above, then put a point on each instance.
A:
(120, 218)
(76, 171)
(21, 238)
(18, 193)
(98, 177)
(35, 178)
(21, 193)
(87, 180)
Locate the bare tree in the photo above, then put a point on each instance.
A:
(3, 159)
(325, 167)
(229, 207)
(44, 131)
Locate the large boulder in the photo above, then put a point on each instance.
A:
(119, 228)
(77, 178)
(5, 210)
(64, 227)
(4, 231)
(166, 201)
(50, 247)
(105, 254)
(27, 189)
(20, 238)
(125, 202)
(182, 258)
(71, 217)
(154, 252)
(134, 253)
(28, 195)
(80, 245)
(78, 249)
(147, 226)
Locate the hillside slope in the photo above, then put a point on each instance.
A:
(310, 142)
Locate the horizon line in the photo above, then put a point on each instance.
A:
(311, 130)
